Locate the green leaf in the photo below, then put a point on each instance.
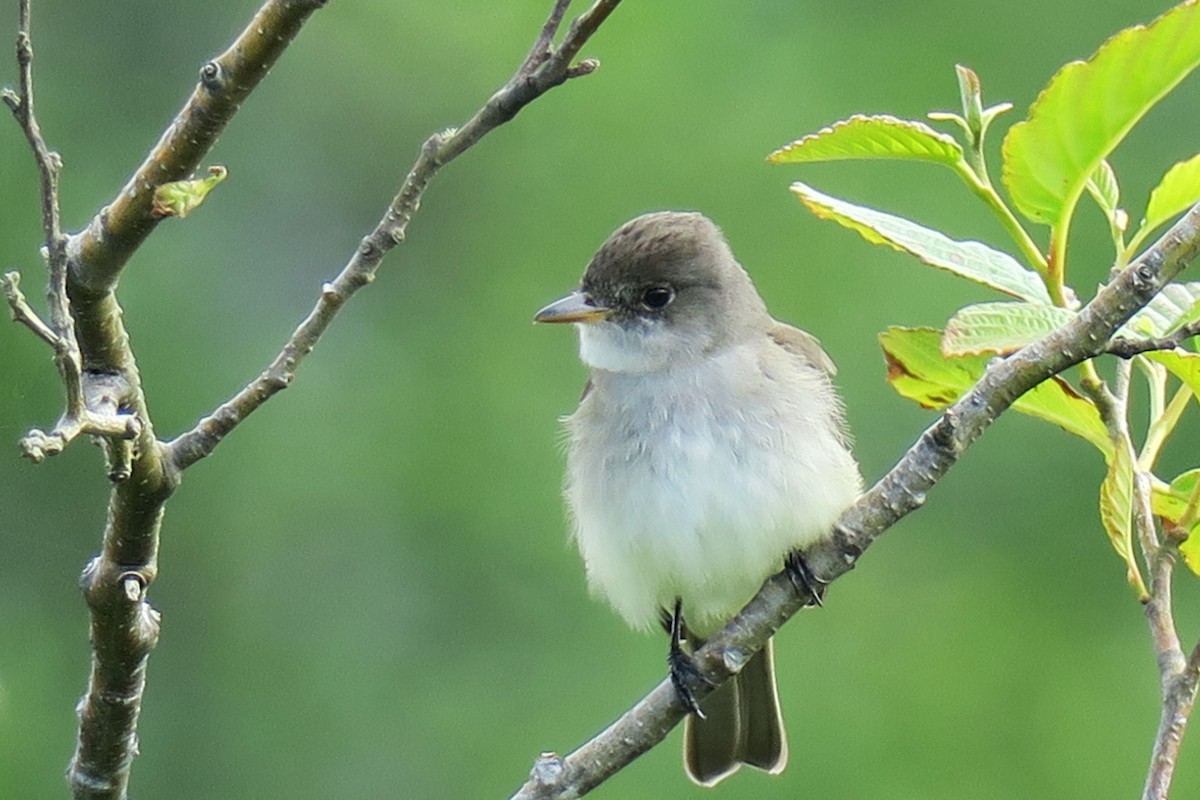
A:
(877, 137)
(1104, 187)
(1116, 511)
(971, 260)
(1183, 364)
(1000, 327)
(1178, 191)
(1172, 504)
(1169, 310)
(180, 198)
(917, 370)
(1089, 106)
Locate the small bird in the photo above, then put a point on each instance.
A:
(708, 448)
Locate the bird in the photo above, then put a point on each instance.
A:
(708, 449)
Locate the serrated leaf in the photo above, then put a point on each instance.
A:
(874, 137)
(1183, 364)
(1169, 310)
(1116, 511)
(180, 198)
(1171, 503)
(971, 260)
(1176, 192)
(1089, 106)
(1000, 327)
(917, 370)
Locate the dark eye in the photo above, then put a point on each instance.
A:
(657, 297)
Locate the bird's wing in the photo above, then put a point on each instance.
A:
(805, 345)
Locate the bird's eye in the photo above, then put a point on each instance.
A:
(657, 297)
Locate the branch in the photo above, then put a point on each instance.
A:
(1124, 347)
(898, 493)
(110, 239)
(21, 104)
(78, 417)
(544, 68)
(1177, 675)
(10, 284)
(100, 372)
(103, 385)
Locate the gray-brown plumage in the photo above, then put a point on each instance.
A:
(709, 445)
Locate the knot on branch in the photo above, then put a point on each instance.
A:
(212, 77)
(1145, 274)
(548, 769)
(944, 432)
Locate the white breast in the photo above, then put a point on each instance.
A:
(696, 482)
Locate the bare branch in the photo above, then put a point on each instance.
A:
(1178, 676)
(544, 68)
(59, 333)
(101, 250)
(22, 313)
(48, 162)
(103, 385)
(100, 373)
(898, 493)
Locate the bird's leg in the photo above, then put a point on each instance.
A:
(681, 666)
(803, 578)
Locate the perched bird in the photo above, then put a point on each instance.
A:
(708, 447)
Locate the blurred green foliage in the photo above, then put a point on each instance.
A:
(368, 591)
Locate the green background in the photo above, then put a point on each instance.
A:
(368, 591)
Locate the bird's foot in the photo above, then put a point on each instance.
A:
(804, 579)
(682, 667)
(685, 674)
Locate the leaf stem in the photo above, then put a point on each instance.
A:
(981, 185)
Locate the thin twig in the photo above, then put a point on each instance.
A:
(898, 493)
(22, 107)
(22, 313)
(544, 68)
(1125, 347)
(59, 333)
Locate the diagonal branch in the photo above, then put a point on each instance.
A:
(898, 493)
(100, 371)
(101, 250)
(544, 68)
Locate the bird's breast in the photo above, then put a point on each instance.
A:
(696, 482)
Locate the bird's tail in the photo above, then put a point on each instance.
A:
(742, 725)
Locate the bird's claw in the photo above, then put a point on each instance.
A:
(803, 578)
(683, 675)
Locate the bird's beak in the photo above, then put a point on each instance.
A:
(575, 307)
